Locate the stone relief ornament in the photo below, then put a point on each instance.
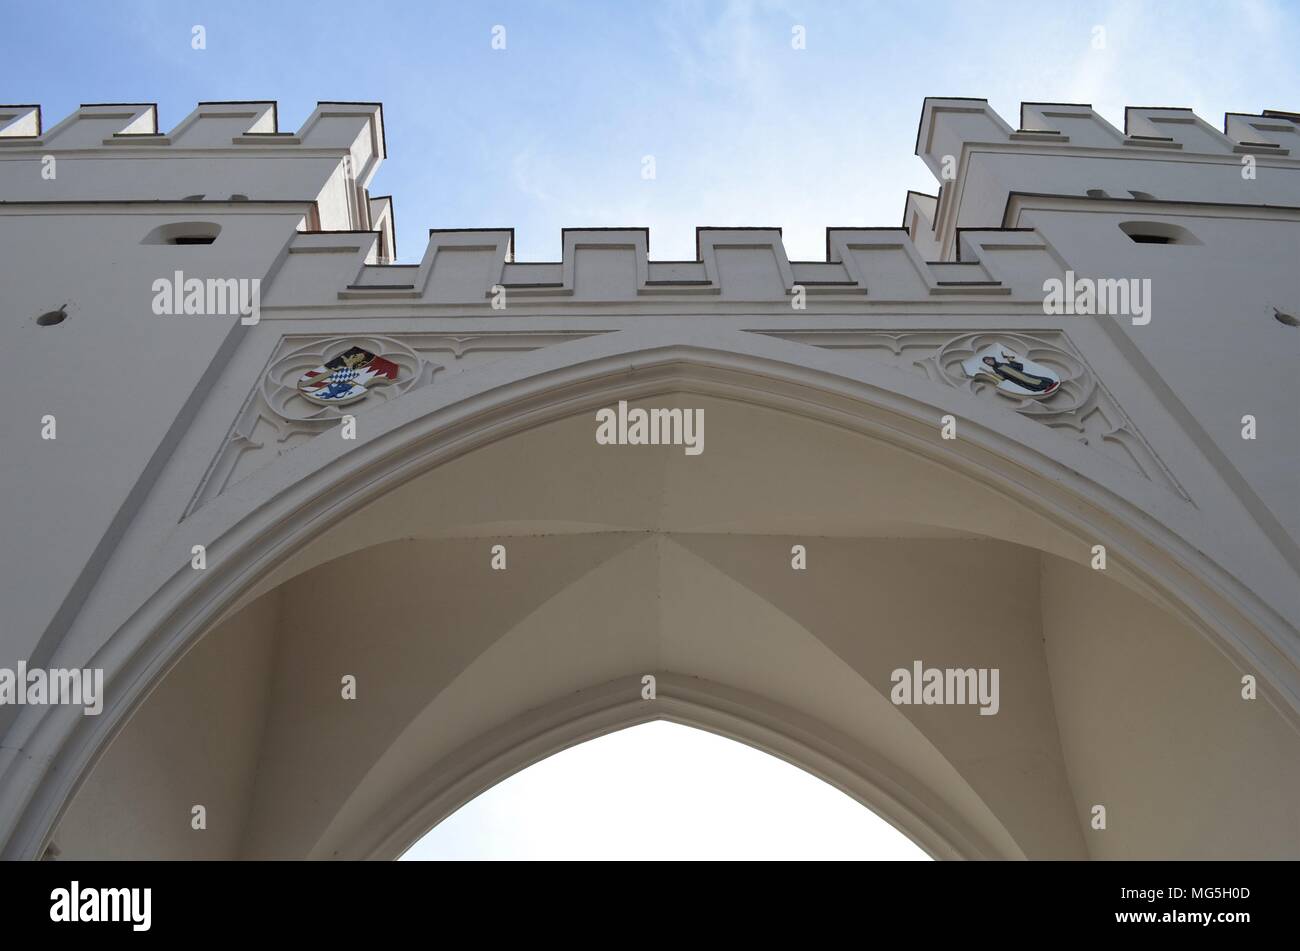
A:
(1043, 378)
(311, 380)
(309, 384)
(305, 383)
(1039, 375)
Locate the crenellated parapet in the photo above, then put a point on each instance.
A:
(988, 170)
(476, 268)
(223, 148)
(1163, 154)
(949, 125)
(212, 125)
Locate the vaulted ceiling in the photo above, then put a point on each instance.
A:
(627, 561)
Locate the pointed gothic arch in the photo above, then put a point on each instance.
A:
(322, 485)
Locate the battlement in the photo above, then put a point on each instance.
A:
(949, 125)
(212, 125)
(329, 162)
(612, 265)
(985, 166)
(1163, 154)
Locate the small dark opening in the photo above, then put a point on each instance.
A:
(1157, 232)
(52, 317)
(184, 232)
(1284, 318)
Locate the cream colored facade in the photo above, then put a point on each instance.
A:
(827, 390)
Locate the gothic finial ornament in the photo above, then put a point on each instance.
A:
(1011, 373)
(342, 380)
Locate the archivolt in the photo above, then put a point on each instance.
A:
(736, 714)
(319, 484)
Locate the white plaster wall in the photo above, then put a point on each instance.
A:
(195, 742)
(115, 376)
(93, 177)
(1154, 727)
(1212, 339)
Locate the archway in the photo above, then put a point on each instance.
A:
(813, 688)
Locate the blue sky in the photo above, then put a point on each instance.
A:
(551, 132)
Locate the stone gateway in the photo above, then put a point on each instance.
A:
(349, 540)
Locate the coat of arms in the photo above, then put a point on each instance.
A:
(343, 379)
(1012, 374)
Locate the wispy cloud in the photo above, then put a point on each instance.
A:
(744, 129)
